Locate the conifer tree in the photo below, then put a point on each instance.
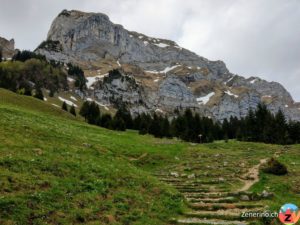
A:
(144, 124)
(64, 106)
(125, 115)
(1, 55)
(249, 132)
(280, 131)
(294, 132)
(137, 122)
(263, 120)
(225, 128)
(118, 124)
(84, 110)
(72, 110)
(143, 128)
(93, 116)
(39, 94)
(106, 121)
(165, 127)
(178, 126)
(155, 126)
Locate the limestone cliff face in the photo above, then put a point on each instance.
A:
(157, 74)
(7, 47)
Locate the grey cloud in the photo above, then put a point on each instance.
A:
(254, 38)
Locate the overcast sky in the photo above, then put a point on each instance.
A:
(253, 37)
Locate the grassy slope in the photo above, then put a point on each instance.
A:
(54, 167)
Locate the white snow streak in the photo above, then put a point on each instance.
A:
(229, 80)
(162, 45)
(70, 79)
(98, 103)
(159, 110)
(205, 99)
(166, 70)
(92, 80)
(67, 101)
(231, 94)
(73, 98)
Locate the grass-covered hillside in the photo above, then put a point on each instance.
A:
(56, 169)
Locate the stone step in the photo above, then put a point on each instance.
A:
(177, 185)
(186, 182)
(226, 206)
(202, 175)
(209, 195)
(228, 193)
(228, 199)
(210, 187)
(198, 221)
(193, 181)
(194, 185)
(206, 192)
(225, 214)
(200, 190)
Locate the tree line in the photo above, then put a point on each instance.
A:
(259, 125)
(29, 77)
(28, 73)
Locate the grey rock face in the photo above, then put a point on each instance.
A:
(230, 106)
(263, 87)
(173, 93)
(7, 47)
(118, 89)
(92, 36)
(89, 39)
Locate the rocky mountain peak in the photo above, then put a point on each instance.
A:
(167, 76)
(87, 37)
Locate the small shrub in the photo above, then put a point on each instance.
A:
(275, 167)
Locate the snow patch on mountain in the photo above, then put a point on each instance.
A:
(70, 103)
(231, 94)
(205, 99)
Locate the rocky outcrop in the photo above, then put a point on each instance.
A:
(7, 47)
(156, 74)
(117, 89)
(175, 94)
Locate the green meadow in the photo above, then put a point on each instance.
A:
(57, 169)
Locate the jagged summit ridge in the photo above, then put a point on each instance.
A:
(92, 36)
(168, 77)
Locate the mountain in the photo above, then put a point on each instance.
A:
(7, 47)
(156, 75)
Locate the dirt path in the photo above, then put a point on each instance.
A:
(252, 176)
